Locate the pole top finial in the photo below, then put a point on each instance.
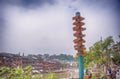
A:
(77, 13)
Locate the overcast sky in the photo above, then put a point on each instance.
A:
(45, 26)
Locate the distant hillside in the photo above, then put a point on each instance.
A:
(61, 57)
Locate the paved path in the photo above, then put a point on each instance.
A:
(118, 76)
(73, 73)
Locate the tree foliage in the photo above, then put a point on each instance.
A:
(100, 53)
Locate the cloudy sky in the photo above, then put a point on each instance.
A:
(45, 26)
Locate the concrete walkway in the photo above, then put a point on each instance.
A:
(73, 74)
(118, 76)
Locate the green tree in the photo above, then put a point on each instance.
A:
(100, 52)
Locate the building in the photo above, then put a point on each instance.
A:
(37, 63)
(10, 60)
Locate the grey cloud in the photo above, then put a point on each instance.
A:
(20, 3)
(49, 28)
(27, 3)
(1, 27)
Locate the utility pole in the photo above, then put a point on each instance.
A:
(79, 46)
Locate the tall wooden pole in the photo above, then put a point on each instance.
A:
(79, 46)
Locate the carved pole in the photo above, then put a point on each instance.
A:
(79, 46)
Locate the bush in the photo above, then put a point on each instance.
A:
(15, 73)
